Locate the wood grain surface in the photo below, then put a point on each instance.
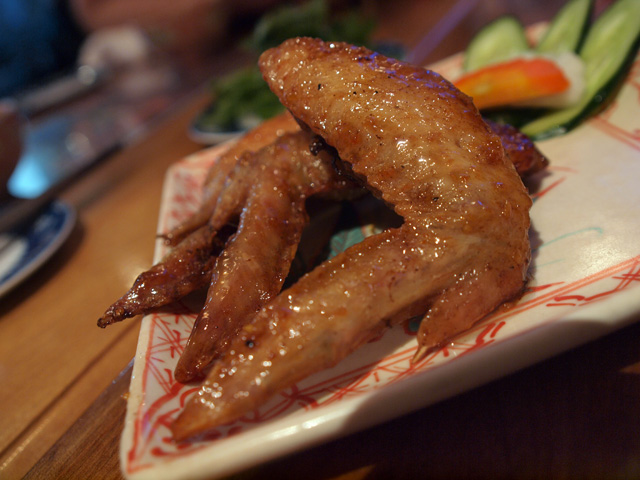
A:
(55, 360)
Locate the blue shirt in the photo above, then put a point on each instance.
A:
(38, 38)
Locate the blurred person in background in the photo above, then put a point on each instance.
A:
(140, 49)
(40, 38)
(37, 38)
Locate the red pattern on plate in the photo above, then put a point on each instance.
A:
(610, 121)
(169, 333)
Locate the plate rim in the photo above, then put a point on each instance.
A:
(48, 251)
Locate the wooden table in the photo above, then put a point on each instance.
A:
(573, 416)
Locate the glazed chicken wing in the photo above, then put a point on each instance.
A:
(419, 144)
(261, 136)
(269, 189)
(188, 267)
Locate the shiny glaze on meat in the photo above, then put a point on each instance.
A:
(268, 190)
(421, 146)
(261, 136)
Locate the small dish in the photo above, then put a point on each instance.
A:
(23, 251)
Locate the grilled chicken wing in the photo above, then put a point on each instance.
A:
(261, 136)
(419, 144)
(189, 266)
(271, 188)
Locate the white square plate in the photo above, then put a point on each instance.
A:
(586, 283)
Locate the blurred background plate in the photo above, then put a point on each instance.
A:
(202, 131)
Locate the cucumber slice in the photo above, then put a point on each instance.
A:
(567, 29)
(608, 52)
(497, 41)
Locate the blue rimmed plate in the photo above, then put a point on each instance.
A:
(22, 252)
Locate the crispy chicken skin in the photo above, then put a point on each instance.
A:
(185, 269)
(519, 149)
(419, 144)
(269, 189)
(189, 266)
(261, 136)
